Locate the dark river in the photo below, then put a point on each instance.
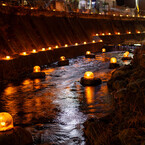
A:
(54, 109)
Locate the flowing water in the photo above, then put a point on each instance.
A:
(54, 109)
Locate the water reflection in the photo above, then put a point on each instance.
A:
(55, 108)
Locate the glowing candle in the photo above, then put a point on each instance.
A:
(103, 50)
(3, 4)
(34, 51)
(36, 69)
(6, 121)
(76, 44)
(8, 58)
(113, 60)
(24, 53)
(49, 48)
(89, 75)
(66, 45)
(62, 58)
(126, 54)
(56, 46)
(93, 41)
(43, 49)
(88, 53)
(85, 42)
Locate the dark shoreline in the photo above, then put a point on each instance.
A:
(125, 125)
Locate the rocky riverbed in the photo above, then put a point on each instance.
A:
(126, 124)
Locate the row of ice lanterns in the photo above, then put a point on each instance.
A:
(6, 120)
(49, 48)
(114, 15)
(117, 33)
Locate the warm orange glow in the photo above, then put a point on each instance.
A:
(54, 10)
(26, 82)
(6, 121)
(97, 34)
(121, 15)
(7, 58)
(66, 45)
(24, 53)
(3, 123)
(103, 34)
(129, 32)
(113, 60)
(90, 94)
(133, 15)
(62, 58)
(93, 41)
(89, 75)
(138, 32)
(4, 5)
(126, 54)
(36, 69)
(118, 33)
(34, 51)
(88, 52)
(109, 33)
(127, 15)
(49, 48)
(43, 49)
(76, 44)
(32, 8)
(100, 40)
(114, 15)
(56, 46)
(85, 42)
(103, 50)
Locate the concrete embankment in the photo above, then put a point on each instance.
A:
(25, 30)
(20, 66)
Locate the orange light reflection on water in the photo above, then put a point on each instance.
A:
(90, 93)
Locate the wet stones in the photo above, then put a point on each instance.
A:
(126, 58)
(90, 82)
(63, 63)
(35, 75)
(113, 65)
(92, 55)
(16, 136)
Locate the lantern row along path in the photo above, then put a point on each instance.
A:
(21, 65)
(54, 109)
